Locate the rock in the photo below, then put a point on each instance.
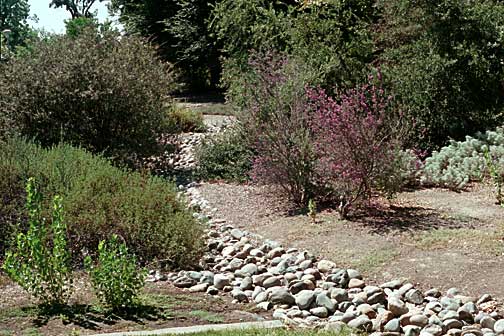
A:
(246, 283)
(305, 264)
(276, 252)
(339, 294)
(356, 283)
(487, 322)
(323, 300)
(282, 296)
(325, 266)
(256, 291)
(434, 330)
(454, 332)
(361, 323)
(304, 299)
(228, 251)
(265, 305)
(354, 274)
(393, 325)
(336, 327)
(419, 320)
(452, 292)
(452, 324)
(319, 312)
(397, 307)
(414, 296)
(279, 314)
(207, 277)
(450, 303)
(376, 298)
(202, 287)
(184, 282)
(237, 234)
(194, 275)
(366, 309)
(349, 316)
(272, 282)
(250, 269)
(411, 330)
(340, 277)
(258, 280)
(212, 290)
(394, 284)
(221, 281)
(434, 292)
(239, 295)
(484, 298)
(499, 327)
(261, 297)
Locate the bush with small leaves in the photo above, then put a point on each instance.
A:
(115, 277)
(461, 162)
(40, 260)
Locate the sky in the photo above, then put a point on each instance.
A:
(52, 19)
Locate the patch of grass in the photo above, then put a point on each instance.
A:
(214, 109)
(490, 242)
(17, 312)
(185, 120)
(207, 316)
(6, 332)
(31, 332)
(375, 259)
(274, 332)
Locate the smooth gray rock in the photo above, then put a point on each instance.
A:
(202, 287)
(325, 266)
(397, 307)
(411, 330)
(419, 320)
(304, 299)
(414, 296)
(339, 294)
(452, 324)
(392, 325)
(319, 312)
(246, 284)
(282, 296)
(212, 290)
(272, 282)
(499, 327)
(487, 322)
(250, 269)
(221, 281)
(239, 295)
(266, 305)
(237, 233)
(184, 282)
(323, 300)
(362, 323)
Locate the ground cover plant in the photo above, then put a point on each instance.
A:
(100, 200)
(473, 160)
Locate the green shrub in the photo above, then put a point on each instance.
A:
(461, 162)
(115, 277)
(101, 91)
(101, 200)
(225, 156)
(185, 120)
(40, 260)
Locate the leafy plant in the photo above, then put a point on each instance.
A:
(225, 156)
(312, 210)
(99, 91)
(40, 261)
(355, 139)
(100, 200)
(496, 173)
(185, 120)
(115, 277)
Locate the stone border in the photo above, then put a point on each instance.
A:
(201, 328)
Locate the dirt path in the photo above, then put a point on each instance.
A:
(433, 237)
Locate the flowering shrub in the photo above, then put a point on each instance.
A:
(355, 139)
(278, 123)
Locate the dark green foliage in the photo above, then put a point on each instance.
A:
(225, 156)
(13, 16)
(331, 39)
(116, 278)
(106, 93)
(179, 28)
(185, 120)
(77, 26)
(100, 200)
(443, 61)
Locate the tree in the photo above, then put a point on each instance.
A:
(77, 8)
(13, 16)
(179, 28)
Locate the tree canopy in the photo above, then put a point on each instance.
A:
(13, 16)
(77, 8)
